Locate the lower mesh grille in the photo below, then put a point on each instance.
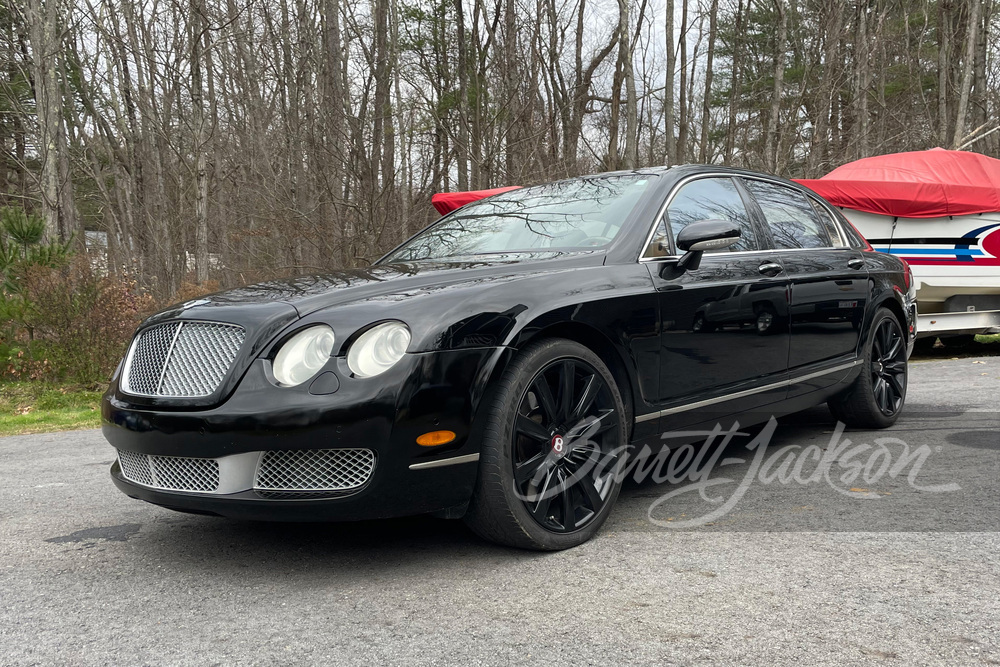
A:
(170, 472)
(312, 470)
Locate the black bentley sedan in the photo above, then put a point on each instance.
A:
(481, 368)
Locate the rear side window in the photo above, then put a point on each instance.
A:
(792, 220)
(712, 199)
(830, 224)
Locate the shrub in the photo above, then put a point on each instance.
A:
(74, 324)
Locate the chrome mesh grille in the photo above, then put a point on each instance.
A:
(181, 359)
(170, 472)
(135, 467)
(314, 470)
(150, 356)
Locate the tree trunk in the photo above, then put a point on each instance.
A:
(631, 110)
(706, 105)
(682, 131)
(862, 83)
(735, 82)
(944, 47)
(771, 147)
(820, 139)
(967, 70)
(198, 126)
(668, 97)
(56, 186)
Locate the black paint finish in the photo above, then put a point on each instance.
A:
(739, 323)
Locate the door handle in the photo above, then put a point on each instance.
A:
(770, 268)
(856, 263)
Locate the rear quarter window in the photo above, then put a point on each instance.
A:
(792, 220)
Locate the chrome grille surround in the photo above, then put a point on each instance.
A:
(312, 470)
(172, 473)
(186, 359)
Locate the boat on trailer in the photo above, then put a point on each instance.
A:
(939, 210)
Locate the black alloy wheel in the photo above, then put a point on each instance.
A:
(888, 366)
(875, 399)
(554, 440)
(560, 438)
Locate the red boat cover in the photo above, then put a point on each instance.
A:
(922, 184)
(446, 202)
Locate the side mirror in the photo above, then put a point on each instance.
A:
(704, 235)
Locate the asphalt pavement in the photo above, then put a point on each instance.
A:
(886, 551)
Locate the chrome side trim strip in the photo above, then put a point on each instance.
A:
(810, 376)
(468, 458)
(747, 392)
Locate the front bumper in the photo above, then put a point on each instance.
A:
(423, 392)
(912, 327)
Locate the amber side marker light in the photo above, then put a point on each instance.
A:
(435, 438)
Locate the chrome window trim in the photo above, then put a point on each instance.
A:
(747, 392)
(755, 177)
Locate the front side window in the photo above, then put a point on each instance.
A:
(712, 199)
(566, 216)
(659, 243)
(791, 218)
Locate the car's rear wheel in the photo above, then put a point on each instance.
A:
(876, 397)
(555, 434)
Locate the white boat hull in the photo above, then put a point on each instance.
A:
(955, 262)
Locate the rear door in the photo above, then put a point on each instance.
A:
(829, 283)
(724, 332)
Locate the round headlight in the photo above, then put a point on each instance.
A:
(377, 349)
(303, 355)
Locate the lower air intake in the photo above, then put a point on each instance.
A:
(172, 473)
(314, 470)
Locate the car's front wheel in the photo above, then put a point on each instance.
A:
(555, 436)
(876, 397)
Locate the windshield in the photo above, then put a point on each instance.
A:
(566, 216)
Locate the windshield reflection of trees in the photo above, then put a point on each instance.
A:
(584, 213)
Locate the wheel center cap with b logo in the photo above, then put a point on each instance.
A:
(558, 445)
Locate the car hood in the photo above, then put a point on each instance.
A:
(307, 294)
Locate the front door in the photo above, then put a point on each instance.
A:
(724, 326)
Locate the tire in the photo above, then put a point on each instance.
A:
(701, 325)
(528, 425)
(876, 397)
